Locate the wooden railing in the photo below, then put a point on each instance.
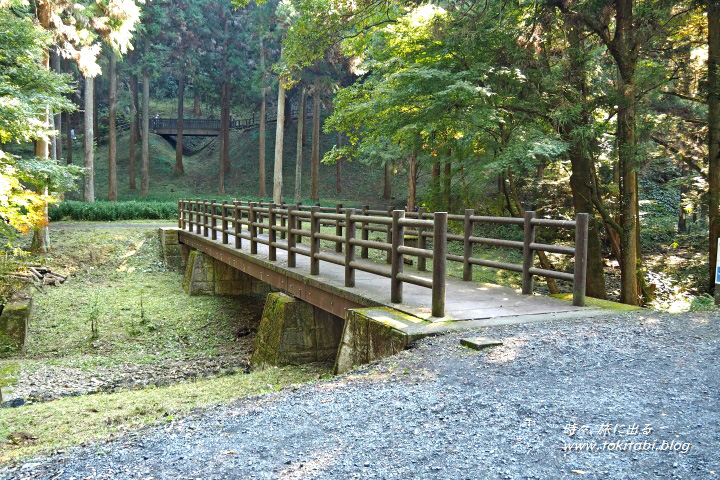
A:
(247, 220)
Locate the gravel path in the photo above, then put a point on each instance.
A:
(440, 411)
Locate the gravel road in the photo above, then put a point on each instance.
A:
(643, 388)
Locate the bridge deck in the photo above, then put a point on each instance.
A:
(464, 300)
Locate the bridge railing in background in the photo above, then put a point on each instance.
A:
(248, 220)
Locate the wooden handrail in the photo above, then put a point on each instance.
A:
(248, 219)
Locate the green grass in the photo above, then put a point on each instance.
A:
(112, 211)
(45, 427)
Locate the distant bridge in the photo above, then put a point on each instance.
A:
(206, 127)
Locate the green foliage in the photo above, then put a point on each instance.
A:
(111, 211)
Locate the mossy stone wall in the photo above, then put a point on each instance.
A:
(14, 325)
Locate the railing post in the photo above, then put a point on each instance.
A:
(388, 236)
(198, 223)
(349, 248)
(283, 224)
(205, 218)
(224, 222)
(528, 253)
(439, 263)
(396, 265)
(338, 228)
(298, 223)
(237, 216)
(291, 261)
(213, 220)
(272, 234)
(582, 221)
(253, 228)
(180, 209)
(422, 241)
(467, 246)
(364, 233)
(314, 241)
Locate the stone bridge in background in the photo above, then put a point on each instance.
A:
(325, 304)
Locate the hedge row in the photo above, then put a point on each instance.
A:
(109, 211)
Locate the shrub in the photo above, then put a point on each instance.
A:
(110, 211)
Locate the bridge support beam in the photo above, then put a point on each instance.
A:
(373, 333)
(293, 332)
(205, 275)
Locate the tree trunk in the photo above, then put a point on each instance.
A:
(684, 190)
(179, 170)
(582, 178)
(315, 157)
(112, 130)
(135, 105)
(338, 167)
(387, 187)
(447, 181)
(196, 100)
(713, 136)
(145, 166)
(225, 128)
(221, 163)
(263, 115)
(133, 129)
(89, 183)
(68, 138)
(279, 138)
(57, 140)
(299, 146)
(41, 233)
(412, 182)
(97, 85)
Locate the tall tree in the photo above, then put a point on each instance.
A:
(299, 145)
(263, 121)
(112, 130)
(315, 155)
(89, 160)
(713, 100)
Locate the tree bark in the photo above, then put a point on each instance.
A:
(112, 130)
(279, 138)
(713, 136)
(179, 170)
(412, 182)
(145, 165)
(133, 129)
(315, 157)
(338, 167)
(387, 187)
(223, 140)
(68, 138)
(263, 115)
(225, 128)
(447, 181)
(89, 183)
(57, 140)
(299, 146)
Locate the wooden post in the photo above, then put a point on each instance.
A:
(349, 249)
(388, 236)
(237, 216)
(528, 253)
(205, 218)
(213, 220)
(198, 226)
(467, 246)
(582, 222)
(283, 224)
(224, 222)
(422, 241)
(272, 234)
(314, 241)
(338, 228)
(298, 223)
(253, 228)
(396, 265)
(180, 222)
(291, 262)
(439, 263)
(364, 233)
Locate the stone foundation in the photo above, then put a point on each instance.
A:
(205, 275)
(293, 332)
(171, 248)
(373, 333)
(14, 325)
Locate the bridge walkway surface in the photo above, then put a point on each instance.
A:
(467, 304)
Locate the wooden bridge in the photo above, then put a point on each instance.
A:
(311, 252)
(206, 127)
